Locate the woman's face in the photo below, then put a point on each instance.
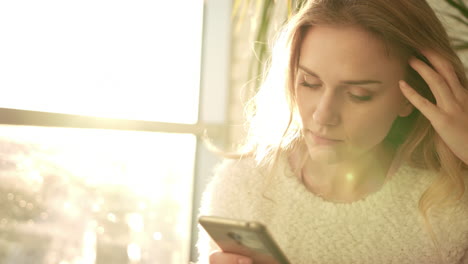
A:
(347, 92)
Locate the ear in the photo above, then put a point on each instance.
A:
(406, 109)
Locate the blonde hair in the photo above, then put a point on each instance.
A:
(408, 26)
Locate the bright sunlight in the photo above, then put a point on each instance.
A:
(108, 58)
(94, 196)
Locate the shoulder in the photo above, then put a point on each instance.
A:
(414, 178)
(230, 192)
(420, 179)
(453, 215)
(237, 171)
(233, 176)
(233, 166)
(451, 218)
(464, 198)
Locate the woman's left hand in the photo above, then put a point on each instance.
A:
(449, 116)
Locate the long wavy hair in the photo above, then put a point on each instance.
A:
(406, 25)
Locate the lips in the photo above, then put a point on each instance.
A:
(322, 139)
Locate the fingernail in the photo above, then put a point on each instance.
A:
(244, 261)
(402, 84)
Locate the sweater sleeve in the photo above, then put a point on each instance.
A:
(223, 197)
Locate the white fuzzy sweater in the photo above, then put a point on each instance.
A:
(384, 227)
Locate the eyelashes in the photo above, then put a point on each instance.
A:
(360, 98)
(354, 97)
(306, 84)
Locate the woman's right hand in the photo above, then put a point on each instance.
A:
(219, 257)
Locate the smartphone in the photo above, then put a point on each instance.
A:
(247, 238)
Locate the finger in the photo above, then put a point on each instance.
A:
(446, 69)
(439, 87)
(428, 109)
(219, 257)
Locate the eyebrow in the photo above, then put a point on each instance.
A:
(350, 82)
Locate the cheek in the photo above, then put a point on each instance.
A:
(370, 127)
(305, 102)
(372, 123)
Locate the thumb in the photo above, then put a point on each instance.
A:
(219, 257)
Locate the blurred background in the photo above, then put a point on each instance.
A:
(103, 112)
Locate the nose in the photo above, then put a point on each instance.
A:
(327, 111)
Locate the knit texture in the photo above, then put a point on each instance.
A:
(384, 227)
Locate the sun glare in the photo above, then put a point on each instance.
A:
(124, 192)
(102, 58)
(127, 179)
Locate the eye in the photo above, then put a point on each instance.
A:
(309, 81)
(360, 98)
(310, 85)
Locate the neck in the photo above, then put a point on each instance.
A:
(349, 180)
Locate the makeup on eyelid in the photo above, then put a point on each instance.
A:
(355, 92)
(309, 75)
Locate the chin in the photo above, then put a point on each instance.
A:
(326, 156)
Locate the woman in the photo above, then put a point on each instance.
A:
(366, 161)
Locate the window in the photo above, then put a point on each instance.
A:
(122, 59)
(75, 195)
(100, 125)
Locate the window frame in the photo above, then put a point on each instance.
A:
(20, 117)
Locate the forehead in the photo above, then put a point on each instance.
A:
(349, 50)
